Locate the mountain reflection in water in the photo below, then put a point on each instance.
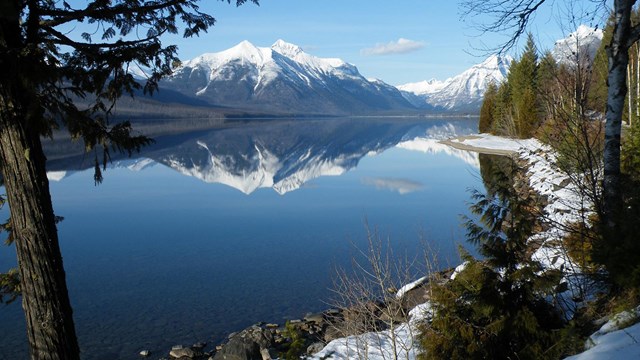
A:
(154, 258)
(284, 155)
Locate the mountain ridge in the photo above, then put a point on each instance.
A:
(284, 80)
(282, 76)
(463, 92)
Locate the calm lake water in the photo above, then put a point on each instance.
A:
(210, 231)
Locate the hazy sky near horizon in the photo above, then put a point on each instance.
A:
(398, 42)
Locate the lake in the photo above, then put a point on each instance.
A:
(209, 231)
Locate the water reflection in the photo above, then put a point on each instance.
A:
(496, 172)
(154, 258)
(285, 155)
(401, 186)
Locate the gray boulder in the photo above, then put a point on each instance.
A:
(183, 353)
(246, 345)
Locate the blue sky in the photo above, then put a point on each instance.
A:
(396, 41)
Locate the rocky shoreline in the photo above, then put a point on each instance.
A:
(309, 335)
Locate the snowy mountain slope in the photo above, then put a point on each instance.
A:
(282, 78)
(579, 46)
(462, 92)
(423, 87)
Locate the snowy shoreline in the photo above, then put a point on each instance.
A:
(563, 207)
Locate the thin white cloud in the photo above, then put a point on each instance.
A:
(401, 186)
(400, 46)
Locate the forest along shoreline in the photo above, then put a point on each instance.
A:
(323, 333)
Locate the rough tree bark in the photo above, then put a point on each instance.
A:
(45, 300)
(618, 55)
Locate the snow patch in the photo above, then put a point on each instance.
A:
(410, 286)
(612, 342)
(398, 343)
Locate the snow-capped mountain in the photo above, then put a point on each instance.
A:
(423, 87)
(465, 91)
(282, 78)
(462, 92)
(579, 46)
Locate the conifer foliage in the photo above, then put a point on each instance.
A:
(487, 111)
(516, 110)
(523, 78)
(497, 308)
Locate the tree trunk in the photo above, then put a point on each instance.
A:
(618, 54)
(45, 300)
(637, 83)
(629, 91)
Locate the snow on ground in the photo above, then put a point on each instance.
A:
(612, 342)
(491, 142)
(410, 286)
(397, 344)
(564, 207)
(564, 203)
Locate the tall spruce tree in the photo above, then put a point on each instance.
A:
(503, 119)
(44, 68)
(524, 83)
(548, 96)
(488, 109)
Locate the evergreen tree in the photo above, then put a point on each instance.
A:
(44, 68)
(488, 110)
(523, 81)
(497, 308)
(514, 17)
(548, 93)
(503, 119)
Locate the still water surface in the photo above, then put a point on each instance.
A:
(210, 231)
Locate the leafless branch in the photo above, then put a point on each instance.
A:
(513, 17)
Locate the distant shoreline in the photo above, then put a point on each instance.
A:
(459, 143)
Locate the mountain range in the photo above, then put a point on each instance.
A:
(284, 79)
(464, 92)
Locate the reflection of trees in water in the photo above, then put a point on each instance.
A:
(508, 212)
(505, 181)
(496, 171)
